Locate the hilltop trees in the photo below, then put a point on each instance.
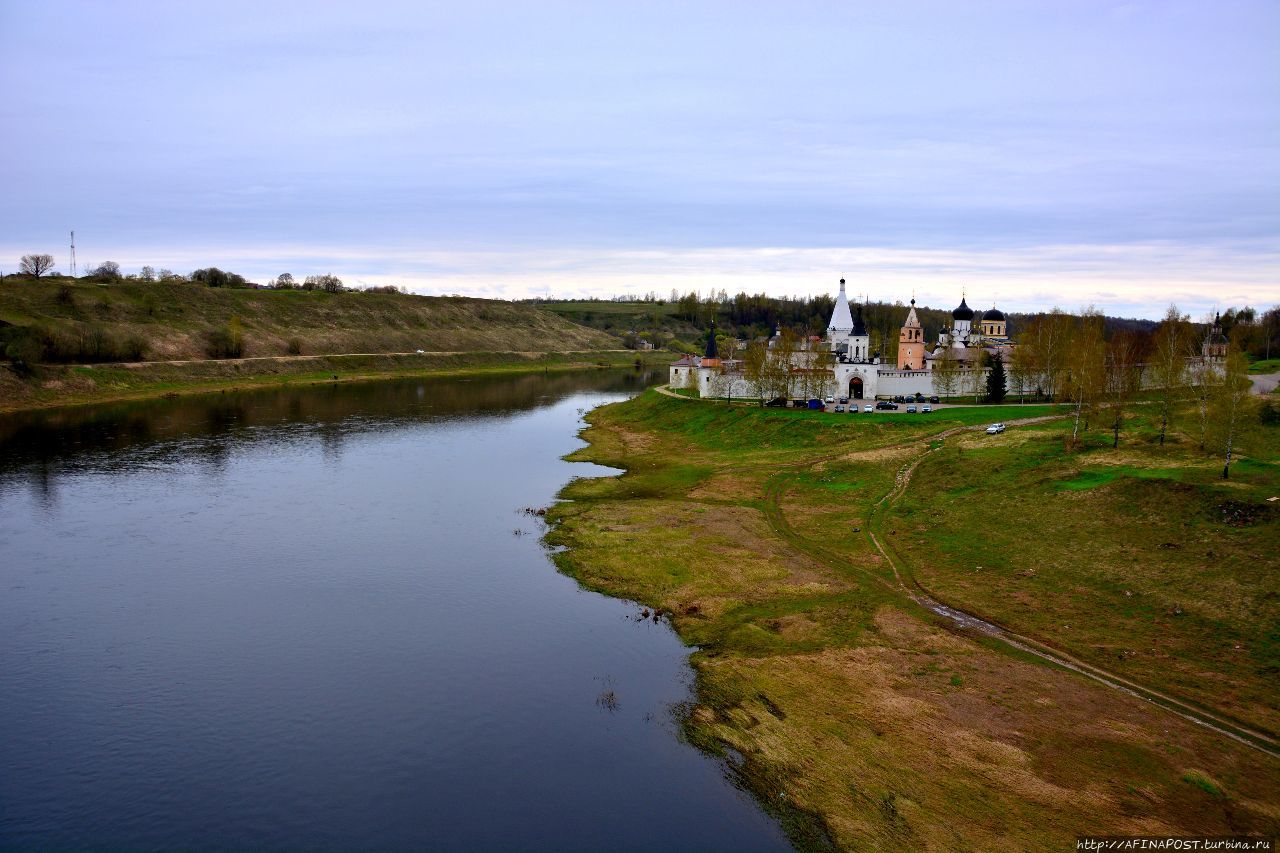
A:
(107, 270)
(35, 265)
(327, 283)
(214, 277)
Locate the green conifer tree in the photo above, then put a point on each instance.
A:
(995, 381)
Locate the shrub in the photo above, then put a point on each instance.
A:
(227, 342)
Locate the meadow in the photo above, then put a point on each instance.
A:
(868, 722)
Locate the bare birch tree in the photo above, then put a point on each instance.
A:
(1230, 400)
(1168, 369)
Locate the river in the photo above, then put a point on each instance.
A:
(317, 618)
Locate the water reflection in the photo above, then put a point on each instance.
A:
(38, 447)
(302, 620)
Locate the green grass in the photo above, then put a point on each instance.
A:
(1268, 365)
(1141, 560)
(871, 719)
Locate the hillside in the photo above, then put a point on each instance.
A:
(83, 322)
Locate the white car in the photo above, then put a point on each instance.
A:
(995, 429)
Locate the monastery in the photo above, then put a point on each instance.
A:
(843, 364)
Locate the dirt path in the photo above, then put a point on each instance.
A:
(904, 583)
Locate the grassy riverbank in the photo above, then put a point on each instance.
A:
(46, 386)
(867, 721)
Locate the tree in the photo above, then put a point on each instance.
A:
(996, 380)
(1168, 370)
(1046, 343)
(107, 269)
(327, 283)
(1022, 371)
(754, 362)
(975, 378)
(1124, 356)
(285, 281)
(35, 265)
(1230, 399)
(779, 363)
(214, 277)
(946, 372)
(1086, 368)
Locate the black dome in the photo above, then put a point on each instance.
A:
(993, 314)
(964, 312)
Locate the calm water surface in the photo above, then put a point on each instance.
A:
(306, 619)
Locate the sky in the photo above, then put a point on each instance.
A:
(1027, 154)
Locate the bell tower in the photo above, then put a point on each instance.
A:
(911, 342)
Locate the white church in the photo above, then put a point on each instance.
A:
(844, 364)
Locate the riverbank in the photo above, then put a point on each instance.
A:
(49, 386)
(880, 721)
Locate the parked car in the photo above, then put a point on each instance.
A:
(868, 408)
(911, 410)
(839, 408)
(995, 428)
(926, 409)
(933, 399)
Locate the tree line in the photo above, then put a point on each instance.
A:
(107, 272)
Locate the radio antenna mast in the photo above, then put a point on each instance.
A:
(73, 254)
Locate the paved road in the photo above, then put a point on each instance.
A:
(1265, 383)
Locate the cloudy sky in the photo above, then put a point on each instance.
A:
(1033, 153)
